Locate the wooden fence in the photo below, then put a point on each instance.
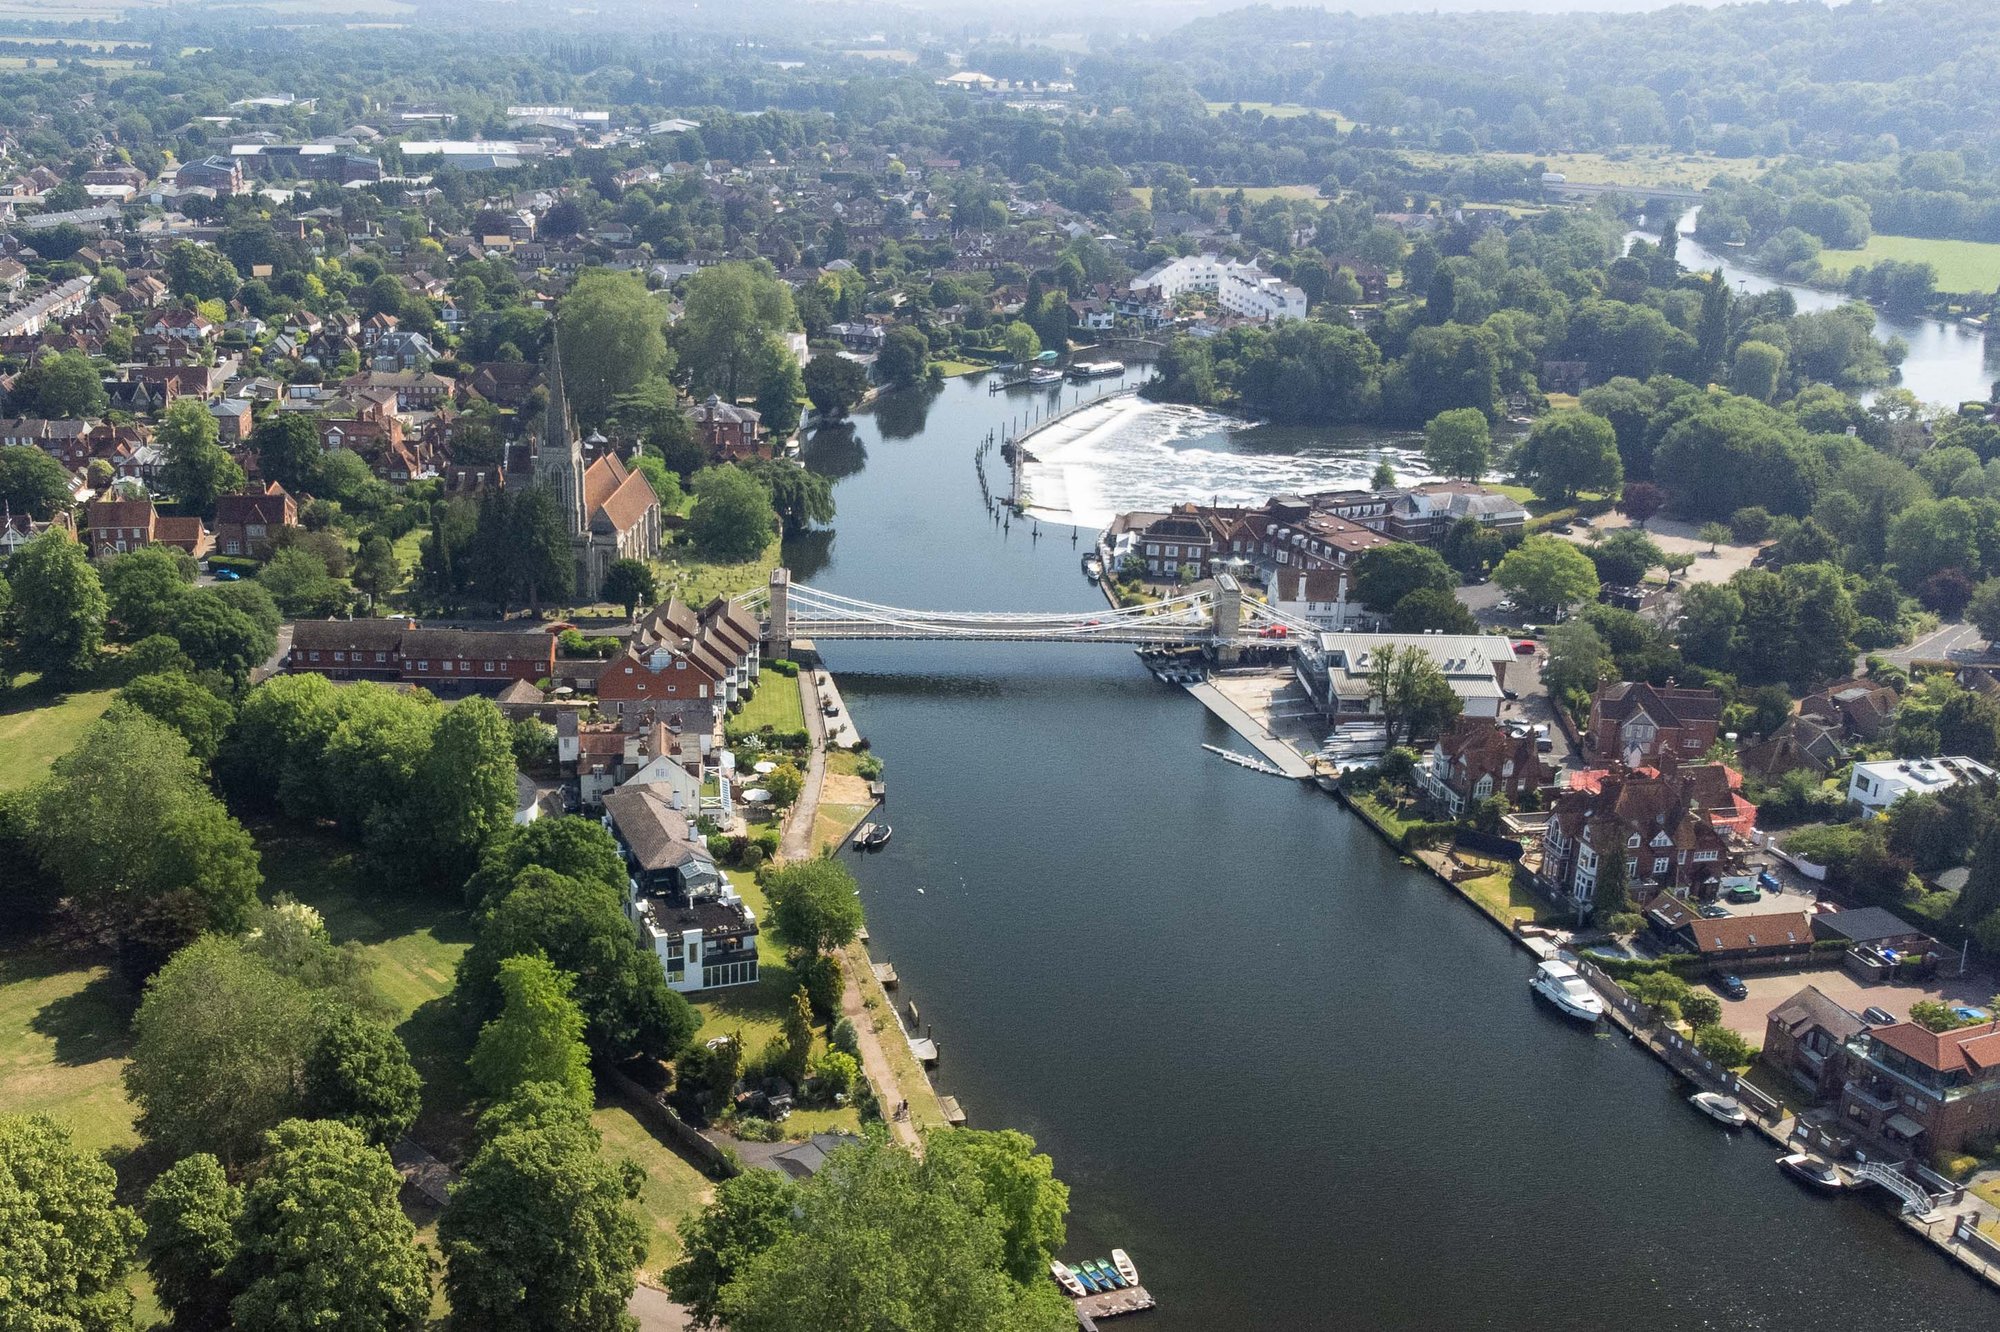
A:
(670, 1127)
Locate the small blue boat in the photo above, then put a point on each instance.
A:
(1103, 1272)
(1084, 1274)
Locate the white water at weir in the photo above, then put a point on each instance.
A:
(1127, 454)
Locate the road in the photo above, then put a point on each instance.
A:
(655, 1312)
(1957, 641)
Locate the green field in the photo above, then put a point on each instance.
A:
(62, 1046)
(1255, 194)
(1961, 265)
(1282, 111)
(1637, 169)
(39, 725)
(775, 704)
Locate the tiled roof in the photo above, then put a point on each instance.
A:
(1973, 1049)
(1733, 934)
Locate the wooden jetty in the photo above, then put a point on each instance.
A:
(1244, 761)
(863, 936)
(953, 1115)
(886, 973)
(925, 1049)
(1111, 1303)
(862, 834)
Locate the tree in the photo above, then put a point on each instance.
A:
(733, 518)
(800, 497)
(1640, 500)
(1714, 534)
(1723, 1045)
(730, 311)
(376, 570)
(190, 1215)
(749, 1215)
(466, 790)
(879, 1237)
(780, 389)
(32, 483)
(813, 905)
(538, 1036)
(217, 1047)
(1459, 443)
(834, 384)
(1701, 1009)
(572, 846)
(178, 702)
(197, 468)
(580, 927)
(164, 860)
(322, 1243)
(904, 357)
(359, 1073)
(1410, 691)
(1021, 341)
(1624, 556)
(65, 1243)
(201, 272)
(1571, 451)
(1428, 610)
(145, 589)
(1984, 609)
(612, 339)
(219, 628)
(629, 583)
(1020, 1191)
(784, 784)
(65, 386)
(1547, 573)
(540, 1234)
(298, 581)
(288, 450)
(54, 619)
(1387, 574)
(1756, 371)
(1578, 661)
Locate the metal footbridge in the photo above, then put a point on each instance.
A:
(1216, 615)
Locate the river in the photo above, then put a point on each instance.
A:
(1304, 1085)
(1947, 364)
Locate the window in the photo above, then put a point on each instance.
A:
(486, 666)
(1661, 864)
(423, 665)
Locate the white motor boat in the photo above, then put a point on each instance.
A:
(1724, 1110)
(1813, 1171)
(1559, 983)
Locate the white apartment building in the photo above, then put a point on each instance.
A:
(1876, 786)
(1240, 288)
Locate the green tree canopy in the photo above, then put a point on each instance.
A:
(1459, 443)
(629, 583)
(32, 483)
(730, 310)
(613, 339)
(1571, 451)
(733, 517)
(538, 1036)
(66, 386)
(53, 621)
(1387, 574)
(200, 716)
(359, 1073)
(65, 1243)
(813, 906)
(1547, 573)
(836, 385)
(190, 1215)
(197, 468)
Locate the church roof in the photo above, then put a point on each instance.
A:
(613, 498)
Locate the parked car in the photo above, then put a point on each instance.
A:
(228, 576)
(1710, 911)
(1878, 1017)
(1744, 892)
(1733, 987)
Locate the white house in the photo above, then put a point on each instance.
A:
(1318, 596)
(1876, 786)
(1241, 288)
(1337, 669)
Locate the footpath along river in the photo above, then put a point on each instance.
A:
(1305, 1086)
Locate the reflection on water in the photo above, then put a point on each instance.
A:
(1129, 454)
(806, 553)
(834, 450)
(902, 413)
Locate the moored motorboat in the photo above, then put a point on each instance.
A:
(1815, 1172)
(1724, 1110)
(1067, 1280)
(878, 835)
(1559, 983)
(1123, 1263)
(1044, 375)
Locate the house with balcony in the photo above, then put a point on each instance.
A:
(685, 910)
(1915, 1092)
(1805, 1039)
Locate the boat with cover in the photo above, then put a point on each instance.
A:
(1815, 1172)
(1559, 983)
(1724, 1110)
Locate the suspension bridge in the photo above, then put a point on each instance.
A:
(1215, 615)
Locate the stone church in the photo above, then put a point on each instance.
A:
(611, 512)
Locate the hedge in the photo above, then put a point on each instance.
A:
(241, 564)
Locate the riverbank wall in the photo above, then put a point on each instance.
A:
(1955, 1233)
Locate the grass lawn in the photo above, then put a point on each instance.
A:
(39, 724)
(1636, 169)
(1390, 818)
(775, 703)
(63, 1046)
(674, 1188)
(949, 368)
(1502, 894)
(1961, 265)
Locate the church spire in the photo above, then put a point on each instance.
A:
(559, 459)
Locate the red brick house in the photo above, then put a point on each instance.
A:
(398, 649)
(1662, 825)
(729, 432)
(1636, 723)
(247, 522)
(119, 525)
(1478, 759)
(1923, 1092)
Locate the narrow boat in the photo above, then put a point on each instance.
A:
(1067, 1280)
(1814, 1172)
(1123, 1263)
(878, 835)
(1724, 1110)
(1559, 983)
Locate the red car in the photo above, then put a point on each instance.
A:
(1526, 648)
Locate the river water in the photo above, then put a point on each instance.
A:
(1303, 1085)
